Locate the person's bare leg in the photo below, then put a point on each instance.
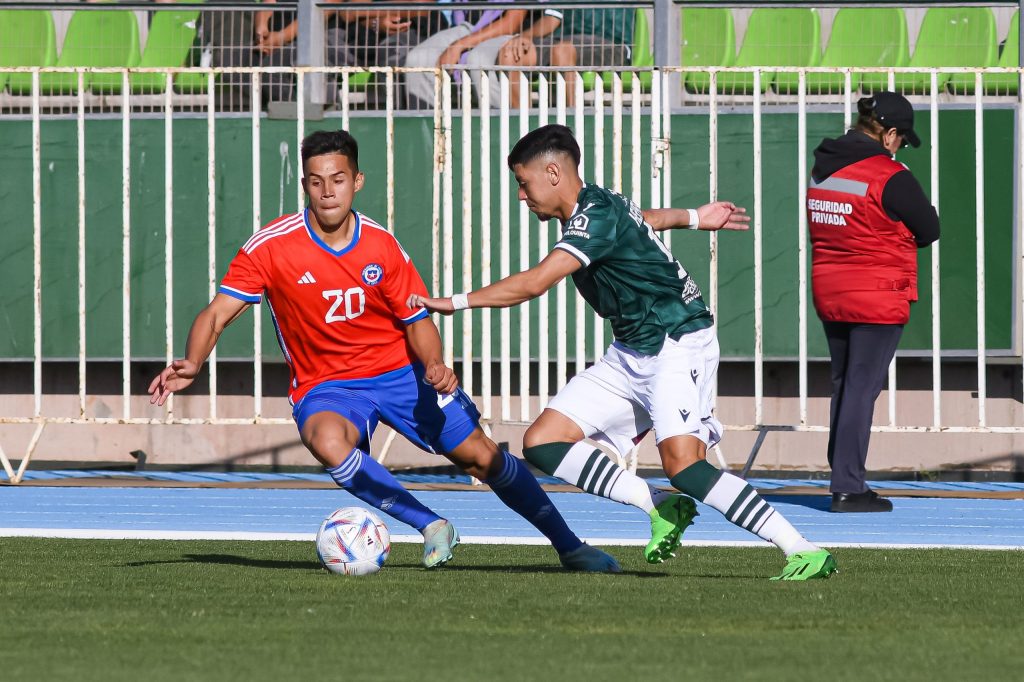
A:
(334, 440)
(517, 52)
(564, 54)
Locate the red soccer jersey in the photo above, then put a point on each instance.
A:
(338, 314)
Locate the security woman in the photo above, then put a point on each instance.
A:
(868, 216)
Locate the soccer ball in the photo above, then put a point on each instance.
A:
(353, 541)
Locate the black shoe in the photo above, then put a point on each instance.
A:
(868, 501)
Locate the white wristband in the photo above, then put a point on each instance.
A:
(694, 219)
(460, 301)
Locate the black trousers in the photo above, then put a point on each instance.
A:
(861, 354)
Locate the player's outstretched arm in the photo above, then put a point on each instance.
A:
(425, 342)
(202, 337)
(507, 292)
(718, 215)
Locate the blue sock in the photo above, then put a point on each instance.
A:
(365, 478)
(519, 490)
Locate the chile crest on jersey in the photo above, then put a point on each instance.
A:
(373, 274)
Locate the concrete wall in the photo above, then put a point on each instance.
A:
(279, 445)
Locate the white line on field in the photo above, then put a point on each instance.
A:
(114, 534)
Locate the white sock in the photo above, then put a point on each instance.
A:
(743, 506)
(589, 469)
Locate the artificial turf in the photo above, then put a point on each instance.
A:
(159, 610)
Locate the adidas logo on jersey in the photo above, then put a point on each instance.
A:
(307, 278)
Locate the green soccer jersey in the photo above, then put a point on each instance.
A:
(629, 276)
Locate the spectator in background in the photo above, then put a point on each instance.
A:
(573, 37)
(868, 216)
(381, 37)
(352, 38)
(474, 40)
(274, 35)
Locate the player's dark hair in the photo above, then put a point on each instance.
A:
(550, 138)
(330, 142)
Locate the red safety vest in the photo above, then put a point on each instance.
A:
(864, 264)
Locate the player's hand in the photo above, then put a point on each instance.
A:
(722, 215)
(434, 305)
(442, 378)
(177, 376)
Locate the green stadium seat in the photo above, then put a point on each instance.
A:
(949, 36)
(109, 38)
(101, 38)
(995, 83)
(775, 37)
(641, 56)
(27, 38)
(359, 80)
(874, 36)
(171, 34)
(708, 39)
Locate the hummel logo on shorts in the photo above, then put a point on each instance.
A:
(307, 278)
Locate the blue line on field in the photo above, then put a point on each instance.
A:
(766, 484)
(944, 521)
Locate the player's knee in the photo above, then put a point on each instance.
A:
(679, 452)
(331, 450)
(480, 470)
(478, 456)
(535, 436)
(329, 443)
(551, 428)
(483, 466)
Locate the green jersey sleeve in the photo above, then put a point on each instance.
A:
(589, 235)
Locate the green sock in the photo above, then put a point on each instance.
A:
(697, 480)
(547, 457)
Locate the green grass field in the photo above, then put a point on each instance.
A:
(154, 610)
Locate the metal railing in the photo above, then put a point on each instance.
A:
(224, 39)
(638, 144)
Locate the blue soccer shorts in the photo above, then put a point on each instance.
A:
(434, 422)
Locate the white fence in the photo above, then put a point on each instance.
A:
(625, 106)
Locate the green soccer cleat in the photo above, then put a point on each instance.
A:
(589, 559)
(668, 521)
(439, 538)
(815, 565)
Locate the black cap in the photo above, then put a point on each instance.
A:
(894, 111)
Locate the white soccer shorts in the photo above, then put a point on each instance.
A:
(627, 393)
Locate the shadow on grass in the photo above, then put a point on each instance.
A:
(519, 568)
(233, 560)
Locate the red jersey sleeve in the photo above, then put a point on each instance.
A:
(402, 280)
(244, 279)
